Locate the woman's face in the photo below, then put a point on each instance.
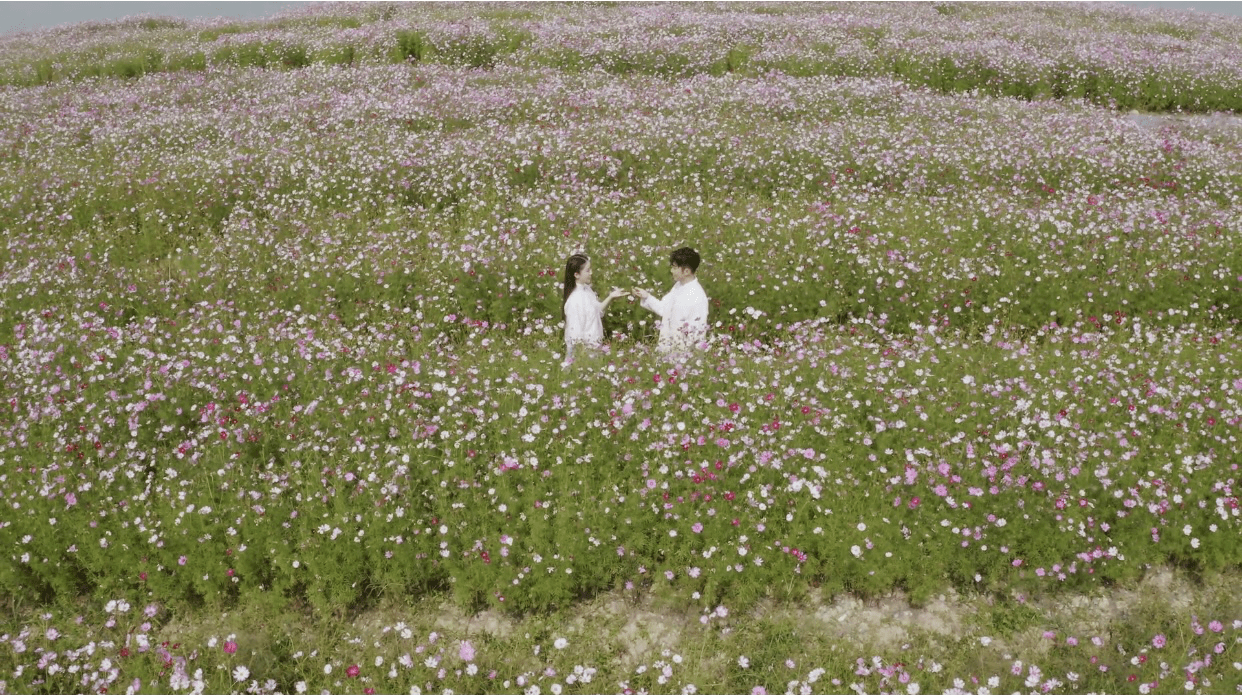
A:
(583, 277)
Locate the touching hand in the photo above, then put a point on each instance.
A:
(617, 292)
(640, 293)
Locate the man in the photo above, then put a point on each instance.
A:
(683, 311)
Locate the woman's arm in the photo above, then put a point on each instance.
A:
(616, 292)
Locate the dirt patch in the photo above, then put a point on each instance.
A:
(885, 622)
(892, 620)
(1096, 613)
(450, 617)
(441, 616)
(626, 626)
(634, 630)
(622, 631)
(491, 623)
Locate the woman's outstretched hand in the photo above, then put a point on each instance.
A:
(617, 292)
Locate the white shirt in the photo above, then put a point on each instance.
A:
(583, 324)
(683, 314)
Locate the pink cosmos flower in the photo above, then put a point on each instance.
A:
(465, 651)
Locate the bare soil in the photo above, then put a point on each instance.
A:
(634, 629)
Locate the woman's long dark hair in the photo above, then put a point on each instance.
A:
(572, 267)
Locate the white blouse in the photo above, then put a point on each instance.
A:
(583, 319)
(683, 314)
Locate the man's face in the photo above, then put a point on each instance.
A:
(680, 274)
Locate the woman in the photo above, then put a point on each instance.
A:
(581, 308)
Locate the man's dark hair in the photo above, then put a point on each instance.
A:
(686, 257)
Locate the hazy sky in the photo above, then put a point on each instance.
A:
(24, 16)
(21, 16)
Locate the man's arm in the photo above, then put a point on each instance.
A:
(700, 309)
(659, 306)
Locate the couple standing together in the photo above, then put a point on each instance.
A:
(682, 312)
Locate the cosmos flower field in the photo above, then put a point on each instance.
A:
(280, 336)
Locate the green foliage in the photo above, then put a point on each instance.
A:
(195, 61)
(734, 61)
(148, 61)
(337, 55)
(210, 35)
(411, 46)
(288, 56)
(153, 23)
(482, 51)
(1008, 617)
